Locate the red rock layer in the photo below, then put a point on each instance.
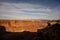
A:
(23, 25)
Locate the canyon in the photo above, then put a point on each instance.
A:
(23, 25)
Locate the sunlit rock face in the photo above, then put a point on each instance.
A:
(23, 25)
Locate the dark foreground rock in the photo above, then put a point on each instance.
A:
(50, 33)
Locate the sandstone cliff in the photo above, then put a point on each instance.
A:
(23, 25)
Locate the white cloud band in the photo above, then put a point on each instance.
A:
(27, 11)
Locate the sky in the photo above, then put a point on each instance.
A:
(30, 9)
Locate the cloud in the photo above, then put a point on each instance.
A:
(27, 11)
(49, 3)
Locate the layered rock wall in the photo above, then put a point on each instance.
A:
(23, 25)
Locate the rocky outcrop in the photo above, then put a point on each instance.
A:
(23, 25)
